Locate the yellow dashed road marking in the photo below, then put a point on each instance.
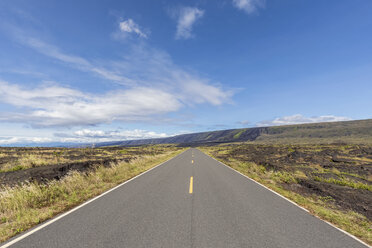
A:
(191, 185)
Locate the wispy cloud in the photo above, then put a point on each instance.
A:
(186, 18)
(129, 26)
(300, 119)
(155, 68)
(73, 60)
(143, 66)
(249, 6)
(34, 74)
(243, 123)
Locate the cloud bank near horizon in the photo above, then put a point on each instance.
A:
(300, 119)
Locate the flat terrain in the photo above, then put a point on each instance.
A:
(190, 201)
(20, 164)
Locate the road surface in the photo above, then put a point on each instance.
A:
(189, 201)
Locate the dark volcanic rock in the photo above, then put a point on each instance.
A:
(43, 174)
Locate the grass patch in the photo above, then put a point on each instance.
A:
(30, 160)
(237, 135)
(290, 149)
(22, 207)
(283, 177)
(344, 182)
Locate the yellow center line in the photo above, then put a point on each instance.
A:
(191, 184)
(192, 161)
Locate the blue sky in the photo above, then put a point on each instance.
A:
(90, 71)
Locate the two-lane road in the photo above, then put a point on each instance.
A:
(189, 201)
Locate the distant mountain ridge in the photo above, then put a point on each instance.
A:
(359, 131)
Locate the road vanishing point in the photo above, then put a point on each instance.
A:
(189, 201)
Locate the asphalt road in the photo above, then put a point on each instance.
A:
(162, 208)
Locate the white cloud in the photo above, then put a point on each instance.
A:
(161, 87)
(90, 136)
(129, 26)
(249, 6)
(84, 136)
(300, 119)
(15, 140)
(187, 16)
(90, 133)
(148, 85)
(53, 105)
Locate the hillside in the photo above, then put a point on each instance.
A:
(359, 131)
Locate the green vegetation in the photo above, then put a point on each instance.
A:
(24, 206)
(344, 182)
(290, 149)
(238, 134)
